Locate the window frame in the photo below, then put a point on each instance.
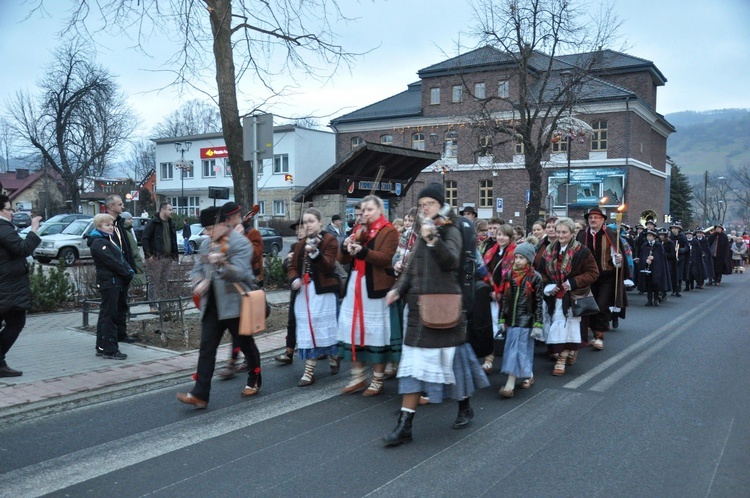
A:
(457, 94)
(561, 146)
(356, 142)
(450, 190)
(279, 168)
(486, 193)
(518, 148)
(503, 89)
(167, 167)
(451, 144)
(386, 139)
(211, 171)
(417, 141)
(596, 137)
(279, 212)
(477, 91)
(435, 95)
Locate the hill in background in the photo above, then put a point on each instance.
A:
(710, 140)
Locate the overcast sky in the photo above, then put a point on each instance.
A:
(702, 47)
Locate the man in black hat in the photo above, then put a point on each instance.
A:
(469, 213)
(609, 288)
(721, 251)
(224, 259)
(682, 254)
(654, 279)
(671, 254)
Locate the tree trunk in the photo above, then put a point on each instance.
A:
(220, 14)
(534, 169)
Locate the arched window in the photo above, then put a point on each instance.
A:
(417, 141)
(356, 142)
(386, 139)
(599, 138)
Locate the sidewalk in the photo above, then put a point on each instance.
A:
(58, 362)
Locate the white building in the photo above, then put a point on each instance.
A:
(303, 153)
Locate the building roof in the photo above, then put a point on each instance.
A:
(404, 104)
(15, 186)
(612, 62)
(400, 165)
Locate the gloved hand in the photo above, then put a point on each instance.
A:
(537, 333)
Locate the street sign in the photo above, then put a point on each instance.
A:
(257, 136)
(134, 195)
(499, 204)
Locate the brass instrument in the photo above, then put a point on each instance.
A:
(645, 215)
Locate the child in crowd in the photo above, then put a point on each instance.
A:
(521, 318)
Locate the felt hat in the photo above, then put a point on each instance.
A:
(526, 250)
(676, 224)
(652, 232)
(689, 231)
(467, 210)
(209, 216)
(700, 230)
(229, 209)
(650, 221)
(662, 231)
(595, 211)
(639, 225)
(433, 191)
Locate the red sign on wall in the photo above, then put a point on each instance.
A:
(214, 152)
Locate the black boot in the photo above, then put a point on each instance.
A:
(650, 301)
(402, 432)
(465, 414)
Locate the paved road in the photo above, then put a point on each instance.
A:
(662, 411)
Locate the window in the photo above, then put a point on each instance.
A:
(356, 142)
(479, 90)
(281, 163)
(166, 171)
(227, 168)
(189, 207)
(519, 148)
(561, 145)
(262, 208)
(451, 193)
(451, 144)
(485, 141)
(458, 93)
(386, 139)
(279, 208)
(485, 193)
(417, 141)
(434, 96)
(599, 138)
(209, 168)
(502, 89)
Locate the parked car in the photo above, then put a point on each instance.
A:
(45, 229)
(272, 241)
(68, 245)
(21, 219)
(67, 218)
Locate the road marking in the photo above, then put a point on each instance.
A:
(80, 466)
(654, 336)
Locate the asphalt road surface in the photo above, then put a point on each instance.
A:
(662, 411)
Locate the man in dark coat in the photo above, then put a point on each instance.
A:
(653, 267)
(682, 252)
(15, 292)
(609, 288)
(720, 250)
(696, 272)
(671, 254)
(160, 249)
(708, 259)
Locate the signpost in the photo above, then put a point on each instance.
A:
(499, 205)
(257, 145)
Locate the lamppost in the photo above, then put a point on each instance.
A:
(440, 166)
(182, 147)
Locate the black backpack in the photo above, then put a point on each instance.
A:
(468, 261)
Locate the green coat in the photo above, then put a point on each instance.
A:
(139, 278)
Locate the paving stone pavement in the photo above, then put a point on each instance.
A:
(58, 361)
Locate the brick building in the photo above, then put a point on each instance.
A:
(624, 157)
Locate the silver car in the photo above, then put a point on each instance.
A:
(68, 246)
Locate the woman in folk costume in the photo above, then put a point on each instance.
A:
(609, 288)
(437, 361)
(365, 327)
(654, 269)
(499, 261)
(312, 274)
(567, 266)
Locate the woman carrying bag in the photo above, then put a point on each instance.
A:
(311, 274)
(568, 268)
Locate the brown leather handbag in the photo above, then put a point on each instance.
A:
(252, 312)
(440, 311)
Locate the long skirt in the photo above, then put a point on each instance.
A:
(564, 332)
(315, 316)
(452, 373)
(518, 356)
(373, 344)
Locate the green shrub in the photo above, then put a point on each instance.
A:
(50, 291)
(274, 275)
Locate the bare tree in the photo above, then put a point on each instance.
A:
(6, 144)
(142, 159)
(78, 120)
(528, 36)
(712, 198)
(194, 117)
(294, 38)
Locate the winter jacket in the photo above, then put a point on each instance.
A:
(520, 309)
(378, 255)
(321, 267)
(659, 268)
(15, 293)
(111, 267)
(153, 240)
(432, 270)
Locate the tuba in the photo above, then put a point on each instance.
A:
(645, 215)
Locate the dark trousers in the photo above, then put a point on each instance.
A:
(113, 316)
(212, 329)
(291, 323)
(604, 293)
(12, 322)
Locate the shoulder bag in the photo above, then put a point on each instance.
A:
(583, 305)
(253, 311)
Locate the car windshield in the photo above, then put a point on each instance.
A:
(76, 228)
(195, 228)
(57, 218)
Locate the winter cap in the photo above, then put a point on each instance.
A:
(209, 216)
(125, 215)
(526, 250)
(433, 191)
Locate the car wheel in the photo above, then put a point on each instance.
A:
(43, 260)
(67, 256)
(275, 250)
(193, 246)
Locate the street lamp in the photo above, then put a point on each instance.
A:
(182, 147)
(440, 166)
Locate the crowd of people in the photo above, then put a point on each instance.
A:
(428, 299)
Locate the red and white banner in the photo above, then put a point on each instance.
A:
(214, 152)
